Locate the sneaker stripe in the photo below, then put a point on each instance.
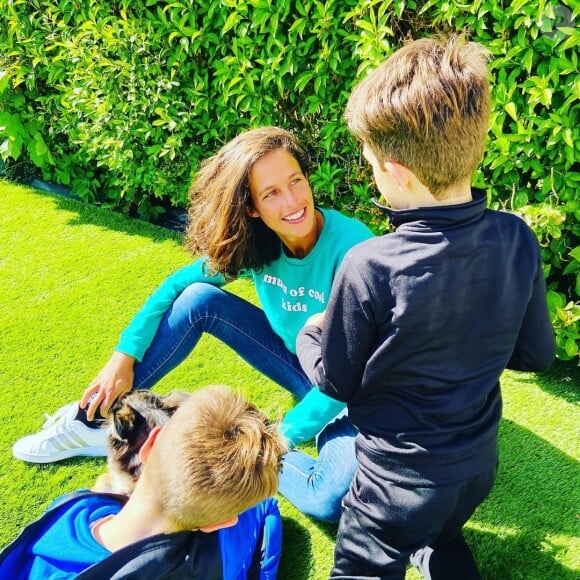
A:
(57, 445)
(77, 440)
(68, 440)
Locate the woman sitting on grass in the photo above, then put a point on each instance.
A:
(252, 214)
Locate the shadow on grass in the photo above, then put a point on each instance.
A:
(533, 503)
(98, 463)
(508, 563)
(82, 470)
(562, 380)
(88, 214)
(296, 551)
(328, 529)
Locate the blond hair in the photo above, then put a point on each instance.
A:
(427, 108)
(219, 225)
(216, 457)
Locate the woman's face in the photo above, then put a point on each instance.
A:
(281, 197)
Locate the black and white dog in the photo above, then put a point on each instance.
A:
(132, 417)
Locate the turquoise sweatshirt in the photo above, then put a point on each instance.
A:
(290, 291)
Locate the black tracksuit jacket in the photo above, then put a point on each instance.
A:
(420, 325)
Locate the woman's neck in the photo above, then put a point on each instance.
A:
(300, 248)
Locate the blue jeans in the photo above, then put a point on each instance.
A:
(315, 486)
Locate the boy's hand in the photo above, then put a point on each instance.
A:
(115, 379)
(316, 320)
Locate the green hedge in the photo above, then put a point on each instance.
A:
(121, 100)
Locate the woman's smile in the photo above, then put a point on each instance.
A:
(296, 217)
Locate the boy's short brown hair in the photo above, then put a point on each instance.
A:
(427, 108)
(216, 457)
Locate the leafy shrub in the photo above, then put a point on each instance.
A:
(531, 162)
(20, 131)
(122, 100)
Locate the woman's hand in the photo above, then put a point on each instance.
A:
(115, 378)
(316, 320)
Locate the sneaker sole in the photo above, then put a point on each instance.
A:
(100, 451)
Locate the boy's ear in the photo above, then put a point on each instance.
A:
(227, 524)
(399, 173)
(148, 445)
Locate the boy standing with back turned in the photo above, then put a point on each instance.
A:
(421, 322)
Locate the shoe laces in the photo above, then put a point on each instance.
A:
(57, 417)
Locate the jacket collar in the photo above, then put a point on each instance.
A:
(441, 216)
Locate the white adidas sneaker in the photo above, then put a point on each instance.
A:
(62, 436)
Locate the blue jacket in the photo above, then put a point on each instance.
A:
(250, 549)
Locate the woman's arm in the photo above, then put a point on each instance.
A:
(309, 416)
(137, 337)
(116, 377)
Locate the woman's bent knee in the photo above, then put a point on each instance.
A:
(325, 504)
(200, 292)
(329, 513)
(199, 300)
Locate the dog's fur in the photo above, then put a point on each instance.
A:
(132, 417)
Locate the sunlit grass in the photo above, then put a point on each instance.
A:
(71, 277)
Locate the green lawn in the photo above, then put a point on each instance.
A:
(72, 275)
